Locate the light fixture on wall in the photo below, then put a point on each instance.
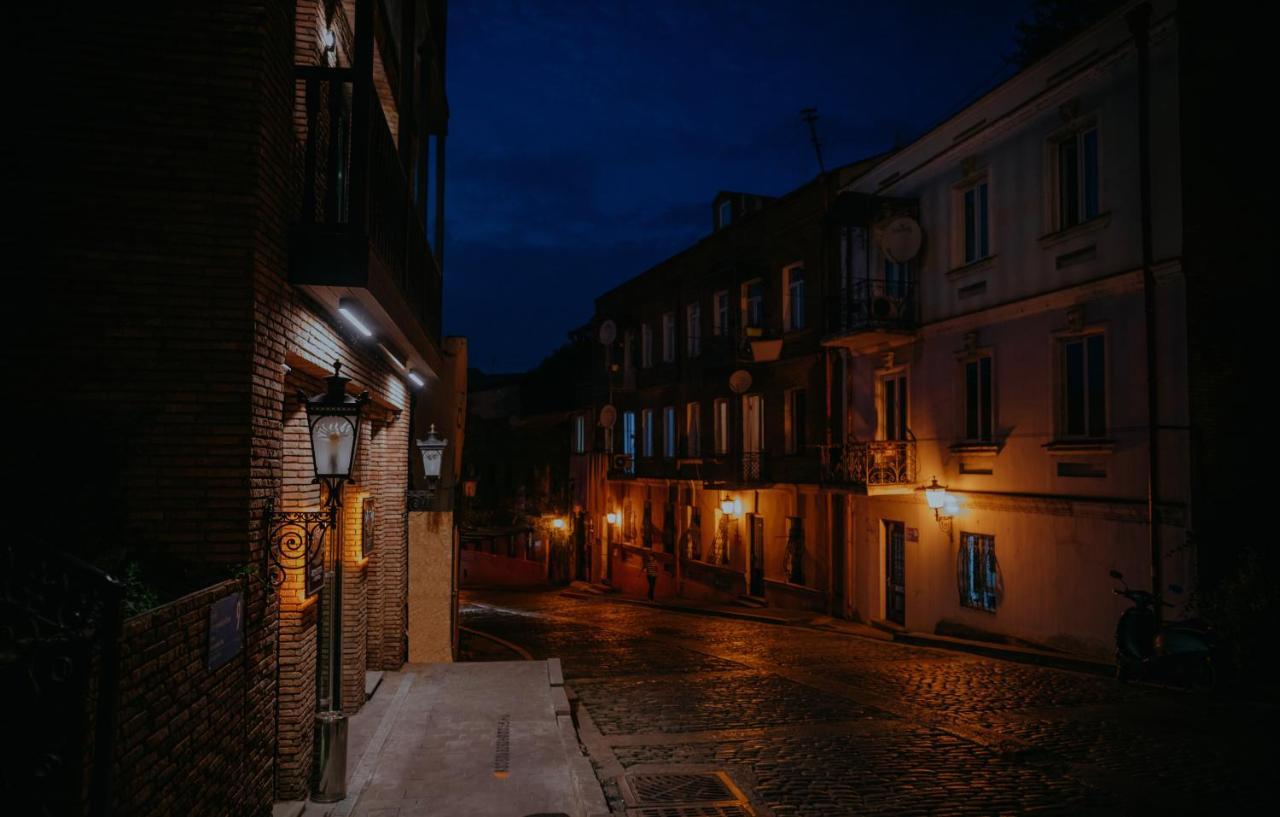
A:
(350, 310)
(558, 523)
(416, 378)
(942, 503)
(611, 517)
(730, 507)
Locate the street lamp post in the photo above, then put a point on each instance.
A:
(333, 423)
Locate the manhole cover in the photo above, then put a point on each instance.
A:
(679, 788)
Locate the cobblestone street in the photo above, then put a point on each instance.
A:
(809, 722)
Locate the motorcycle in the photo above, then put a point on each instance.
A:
(1177, 650)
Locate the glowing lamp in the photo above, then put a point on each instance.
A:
(349, 310)
(935, 495)
(557, 523)
(432, 450)
(730, 507)
(611, 518)
(333, 419)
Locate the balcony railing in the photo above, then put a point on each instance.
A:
(873, 305)
(876, 463)
(357, 198)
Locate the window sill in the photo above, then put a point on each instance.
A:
(973, 268)
(1083, 228)
(1067, 448)
(976, 449)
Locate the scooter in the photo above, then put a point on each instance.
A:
(1176, 650)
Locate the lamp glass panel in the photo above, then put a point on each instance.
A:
(333, 444)
(935, 497)
(431, 458)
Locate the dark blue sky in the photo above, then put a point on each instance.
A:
(588, 137)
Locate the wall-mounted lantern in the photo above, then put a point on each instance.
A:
(611, 517)
(432, 450)
(943, 504)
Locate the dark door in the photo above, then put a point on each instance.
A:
(895, 566)
(757, 554)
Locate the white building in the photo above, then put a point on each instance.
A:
(1008, 356)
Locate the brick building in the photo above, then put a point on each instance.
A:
(230, 197)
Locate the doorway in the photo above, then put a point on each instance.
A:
(895, 572)
(755, 528)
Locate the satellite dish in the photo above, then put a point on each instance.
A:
(901, 239)
(740, 381)
(608, 332)
(608, 416)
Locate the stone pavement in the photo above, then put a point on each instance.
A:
(813, 723)
(461, 740)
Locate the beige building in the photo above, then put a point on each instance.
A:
(1004, 352)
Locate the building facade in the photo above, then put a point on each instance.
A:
(243, 195)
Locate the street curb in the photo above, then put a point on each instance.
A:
(1021, 655)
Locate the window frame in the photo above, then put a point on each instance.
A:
(973, 184)
(720, 423)
(693, 329)
(693, 429)
(790, 303)
(794, 425)
(983, 595)
(646, 345)
(899, 374)
(646, 433)
(629, 439)
(668, 337)
(720, 313)
(669, 432)
(976, 357)
(1061, 404)
(579, 433)
(746, 303)
(1059, 219)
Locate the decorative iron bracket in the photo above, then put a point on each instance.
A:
(294, 535)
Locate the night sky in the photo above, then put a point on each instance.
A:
(588, 137)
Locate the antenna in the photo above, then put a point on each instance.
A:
(810, 116)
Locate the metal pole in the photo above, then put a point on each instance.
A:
(331, 724)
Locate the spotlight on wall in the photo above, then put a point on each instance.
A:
(349, 309)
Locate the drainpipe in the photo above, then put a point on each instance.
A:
(1139, 19)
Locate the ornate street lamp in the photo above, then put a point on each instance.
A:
(943, 504)
(432, 450)
(333, 420)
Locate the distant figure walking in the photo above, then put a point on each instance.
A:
(651, 572)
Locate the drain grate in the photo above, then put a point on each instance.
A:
(502, 747)
(709, 810)
(679, 788)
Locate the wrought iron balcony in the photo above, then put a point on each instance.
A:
(872, 307)
(359, 223)
(876, 463)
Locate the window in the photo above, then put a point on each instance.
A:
(720, 315)
(753, 303)
(669, 432)
(794, 414)
(1077, 182)
(1084, 391)
(668, 337)
(579, 433)
(692, 430)
(793, 309)
(628, 351)
(897, 278)
(693, 330)
(721, 419)
(629, 439)
(978, 573)
(646, 433)
(975, 228)
(646, 346)
(978, 411)
(893, 407)
(725, 213)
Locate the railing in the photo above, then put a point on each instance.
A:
(872, 463)
(752, 466)
(358, 181)
(872, 304)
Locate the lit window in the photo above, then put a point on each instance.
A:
(693, 329)
(979, 577)
(669, 432)
(1077, 182)
(629, 439)
(978, 413)
(1084, 389)
(579, 434)
(793, 309)
(693, 430)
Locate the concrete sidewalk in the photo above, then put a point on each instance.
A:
(491, 739)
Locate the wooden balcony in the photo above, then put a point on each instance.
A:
(358, 228)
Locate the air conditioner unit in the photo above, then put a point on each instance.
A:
(885, 309)
(622, 462)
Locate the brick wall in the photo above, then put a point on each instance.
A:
(189, 740)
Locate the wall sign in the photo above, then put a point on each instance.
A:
(366, 528)
(226, 617)
(913, 534)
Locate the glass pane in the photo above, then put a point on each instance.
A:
(333, 443)
(890, 409)
(971, 401)
(984, 394)
(1073, 388)
(970, 250)
(1068, 183)
(1097, 387)
(1090, 145)
(902, 408)
(983, 248)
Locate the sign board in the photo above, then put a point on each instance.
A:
(226, 635)
(913, 534)
(366, 527)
